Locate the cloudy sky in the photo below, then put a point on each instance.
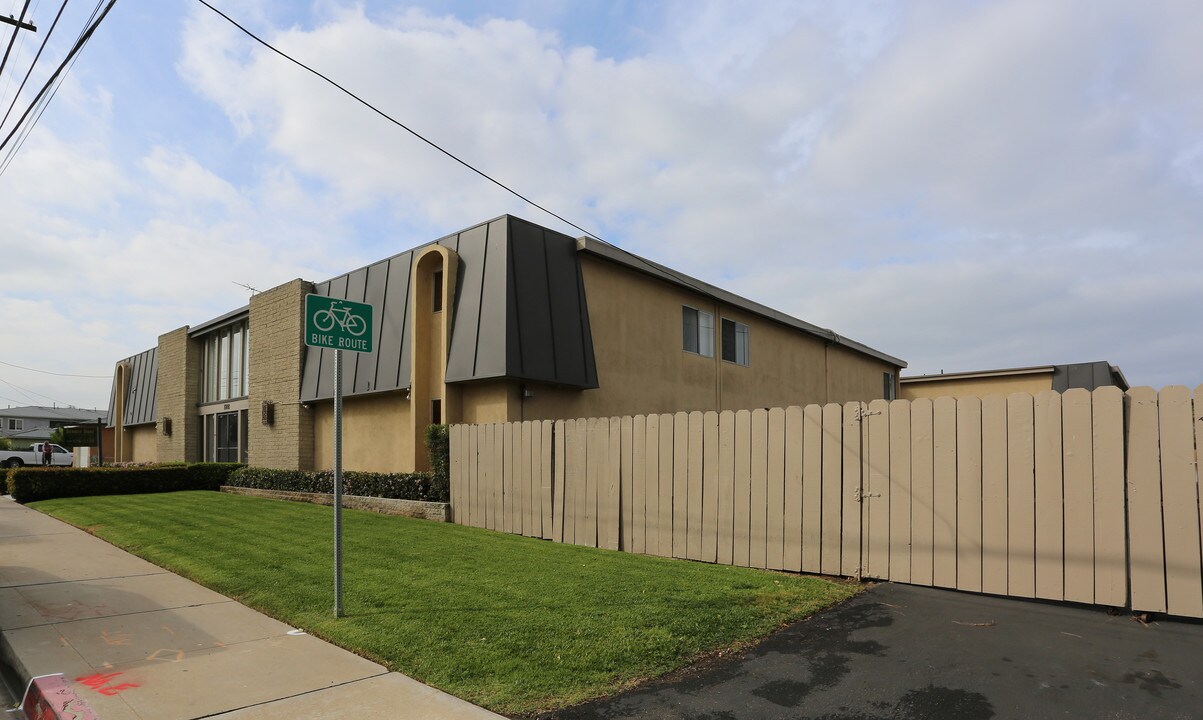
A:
(965, 185)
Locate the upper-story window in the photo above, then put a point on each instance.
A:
(16, 424)
(735, 342)
(226, 363)
(436, 284)
(697, 331)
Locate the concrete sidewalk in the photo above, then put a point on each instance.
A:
(140, 642)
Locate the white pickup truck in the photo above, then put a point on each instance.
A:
(16, 458)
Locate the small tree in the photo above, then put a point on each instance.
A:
(58, 436)
(6, 444)
(438, 449)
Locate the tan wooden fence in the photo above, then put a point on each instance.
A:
(1084, 497)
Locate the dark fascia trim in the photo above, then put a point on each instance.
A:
(520, 379)
(1117, 374)
(656, 270)
(220, 321)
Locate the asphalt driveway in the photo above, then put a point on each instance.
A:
(898, 652)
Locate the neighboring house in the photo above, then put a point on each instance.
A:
(1032, 380)
(503, 321)
(31, 424)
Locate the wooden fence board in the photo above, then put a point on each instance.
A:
(812, 488)
(833, 488)
(475, 441)
(743, 487)
(851, 564)
(574, 502)
(1078, 464)
(775, 490)
(626, 502)
(596, 469)
(725, 550)
(1180, 495)
(530, 487)
(680, 495)
(507, 477)
(559, 440)
(455, 474)
(969, 494)
(1110, 531)
(693, 471)
(1145, 534)
(791, 521)
(709, 551)
(877, 491)
(1021, 496)
(758, 490)
(922, 491)
(1050, 493)
(900, 491)
(651, 486)
(666, 483)
(482, 463)
(638, 495)
(944, 492)
(609, 488)
(545, 474)
(994, 495)
(491, 461)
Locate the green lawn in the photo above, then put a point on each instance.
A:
(510, 623)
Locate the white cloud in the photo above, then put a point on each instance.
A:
(964, 185)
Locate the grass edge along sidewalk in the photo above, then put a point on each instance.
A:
(514, 624)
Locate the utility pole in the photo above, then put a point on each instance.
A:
(10, 20)
(18, 25)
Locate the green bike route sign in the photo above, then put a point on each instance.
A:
(338, 324)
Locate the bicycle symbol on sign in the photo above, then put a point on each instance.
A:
(338, 314)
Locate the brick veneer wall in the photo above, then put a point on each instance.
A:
(176, 393)
(277, 358)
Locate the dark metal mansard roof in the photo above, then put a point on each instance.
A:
(140, 400)
(519, 313)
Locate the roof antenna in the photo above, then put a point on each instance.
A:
(248, 287)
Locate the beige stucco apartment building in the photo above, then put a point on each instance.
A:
(1088, 375)
(503, 321)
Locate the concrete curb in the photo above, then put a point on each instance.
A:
(437, 511)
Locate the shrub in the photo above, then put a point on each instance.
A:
(29, 484)
(214, 472)
(402, 486)
(438, 449)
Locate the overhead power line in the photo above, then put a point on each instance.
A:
(656, 269)
(79, 44)
(33, 64)
(396, 122)
(16, 29)
(47, 372)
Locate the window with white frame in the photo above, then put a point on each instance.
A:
(697, 331)
(735, 342)
(16, 424)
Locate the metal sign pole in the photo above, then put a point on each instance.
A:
(338, 483)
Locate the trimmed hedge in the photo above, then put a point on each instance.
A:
(402, 486)
(30, 484)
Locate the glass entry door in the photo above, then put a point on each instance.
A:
(226, 442)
